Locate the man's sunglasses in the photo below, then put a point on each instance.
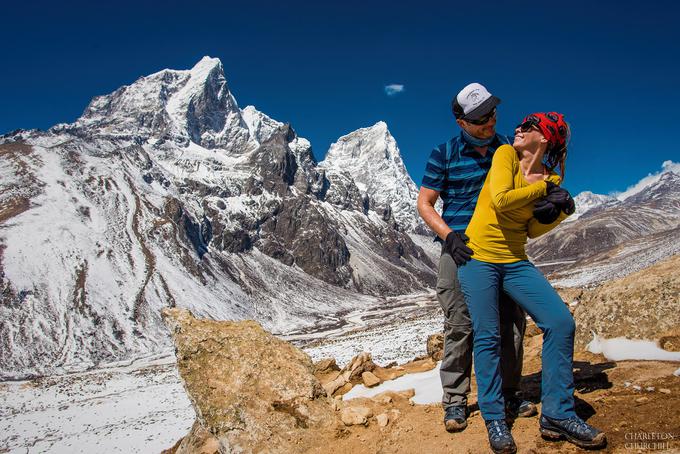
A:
(482, 120)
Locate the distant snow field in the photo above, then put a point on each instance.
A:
(138, 408)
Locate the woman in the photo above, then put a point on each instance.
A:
(520, 175)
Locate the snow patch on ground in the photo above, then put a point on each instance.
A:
(427, 385)
(619, 349)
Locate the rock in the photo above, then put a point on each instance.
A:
(369, 379)
(354, 416)
(199, 441)
(344, 389)
(671, 344)
(390, 396)
(332, 386)
(420, 365)
(383, 398)
(251, 391)
(360, 363)
(407, 393)
(325, 366)
(664, 390)
(642, 399)
(435, 346)
(394, 414)
(352, 372)
(383, 419)
(388, 373)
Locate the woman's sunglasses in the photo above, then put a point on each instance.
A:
(527, 125)
(482, 120)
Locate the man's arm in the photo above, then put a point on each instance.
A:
(426, 199)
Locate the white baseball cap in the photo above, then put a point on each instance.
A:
(473, 101)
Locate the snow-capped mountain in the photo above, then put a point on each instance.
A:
(651, 187)
(587, 201)
(615, 236)
(667, 167)
(166, 193)
(182, 106)
(370, 156)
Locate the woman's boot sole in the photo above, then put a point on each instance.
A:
(600, 441)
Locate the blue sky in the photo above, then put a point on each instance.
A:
(611, 67)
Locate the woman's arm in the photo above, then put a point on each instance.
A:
(504, 196)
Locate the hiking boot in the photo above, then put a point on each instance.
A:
(455, 418)
(516, 407)
(500, 438)
(574, 429)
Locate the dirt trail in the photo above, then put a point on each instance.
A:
(632, 401)
(615, 397)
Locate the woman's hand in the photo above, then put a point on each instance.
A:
(546, 212)
(560, 197)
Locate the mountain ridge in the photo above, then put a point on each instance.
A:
(165, 193)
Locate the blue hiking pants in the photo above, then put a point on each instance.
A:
(481, 282)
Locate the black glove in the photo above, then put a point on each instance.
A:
(561, 198)
(456, 247)
(546, 212)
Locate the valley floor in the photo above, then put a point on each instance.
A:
(137, 408)
(142, 407)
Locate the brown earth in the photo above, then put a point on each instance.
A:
(629, 400)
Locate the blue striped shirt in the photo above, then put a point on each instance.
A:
(458, 172)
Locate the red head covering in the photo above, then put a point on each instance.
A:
(552, 125)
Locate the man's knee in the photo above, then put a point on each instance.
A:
(457, 329)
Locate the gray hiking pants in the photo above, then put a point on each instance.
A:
(456, 365)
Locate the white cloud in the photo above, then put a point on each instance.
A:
(393, 89)
(666, 167)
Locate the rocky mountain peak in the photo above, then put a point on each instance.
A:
(662, 188)
(372, 158)
(373, 145)
(180, 105)
(587, 201)
(669, 176)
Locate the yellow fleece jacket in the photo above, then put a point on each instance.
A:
(503, 217)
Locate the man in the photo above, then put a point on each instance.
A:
(456, 172)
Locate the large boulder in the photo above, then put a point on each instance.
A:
(642, 305)
(251, 391)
